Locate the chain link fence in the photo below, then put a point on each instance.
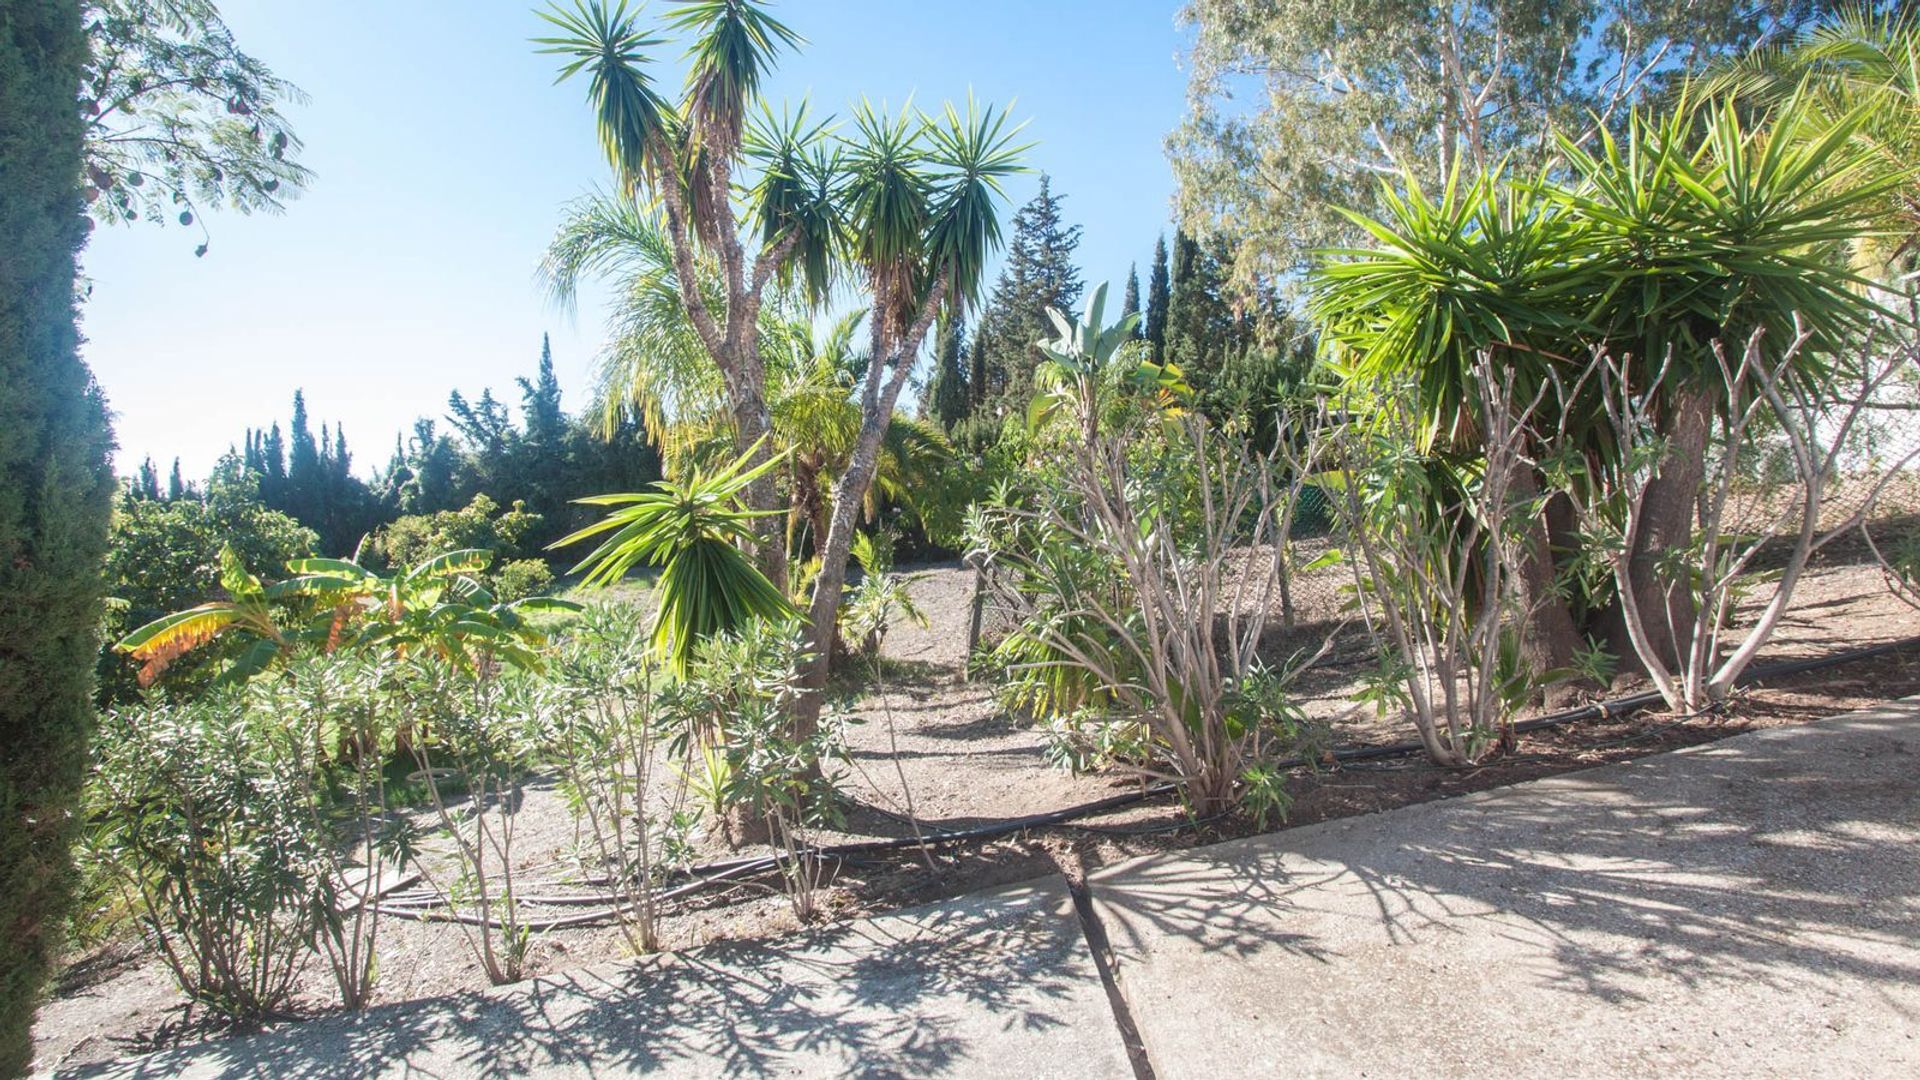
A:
(1875, 477)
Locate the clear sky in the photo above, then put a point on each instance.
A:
(444, 153)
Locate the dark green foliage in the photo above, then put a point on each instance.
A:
(1130, 301)
(1159, 294)
(1242, 357)
(55, 491)
(1038, 274)
(545, 461)
(313, 481)
(947, 398)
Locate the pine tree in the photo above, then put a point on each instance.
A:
(56, 490)
(1038, 274)
(1130, 299)
(176, 484)
(1159, 294)
(541, 415)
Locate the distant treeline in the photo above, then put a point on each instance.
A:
(544, 460)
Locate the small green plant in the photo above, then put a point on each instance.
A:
(332, 725)
(478, 726)
(595, 721)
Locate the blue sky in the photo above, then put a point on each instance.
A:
(444, 153)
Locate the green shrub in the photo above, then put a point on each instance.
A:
(55, 490)
(520, 579)
(480, 524)
(164, 556)
(193, 822)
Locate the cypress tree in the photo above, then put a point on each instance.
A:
(1159, 293)
(1130, 299)
(948, 396)
(146, 483)
(176, 484)
(55, 491)
(540, 410)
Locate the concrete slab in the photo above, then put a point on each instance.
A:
(1748, 908)
(998, 985)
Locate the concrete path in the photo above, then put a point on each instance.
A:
(997, 986)
(1748, 908)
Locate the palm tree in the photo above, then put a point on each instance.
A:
(1860, 57)
(683, 156)
(922, 196)
(656, 369)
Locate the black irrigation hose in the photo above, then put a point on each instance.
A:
(734, 869)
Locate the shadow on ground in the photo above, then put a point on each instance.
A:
(999, 985)
(1753, 906)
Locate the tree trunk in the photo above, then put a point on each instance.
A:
(1668, 508)
(849, 494)
(752, 421)
(1550, 639)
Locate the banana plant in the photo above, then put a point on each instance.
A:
(693, 528)
(1081, 354)
(247, 613)
(436, 606)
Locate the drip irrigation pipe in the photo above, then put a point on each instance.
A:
(709, 874)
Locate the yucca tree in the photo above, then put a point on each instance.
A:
(1708, 226)
(656, 368)
(690, 528)
(684, 156)
(1484, 268)
(904, 209)
(1695, 227)
(922, 197)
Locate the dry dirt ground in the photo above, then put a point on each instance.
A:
(931, 740)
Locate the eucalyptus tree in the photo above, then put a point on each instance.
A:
(1353, 92)
(686, 156)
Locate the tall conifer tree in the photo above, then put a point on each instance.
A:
(55, 491)
(1039, 273)
(1159, 294)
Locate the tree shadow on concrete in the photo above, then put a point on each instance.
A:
(917, 994)
(1775, 859)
